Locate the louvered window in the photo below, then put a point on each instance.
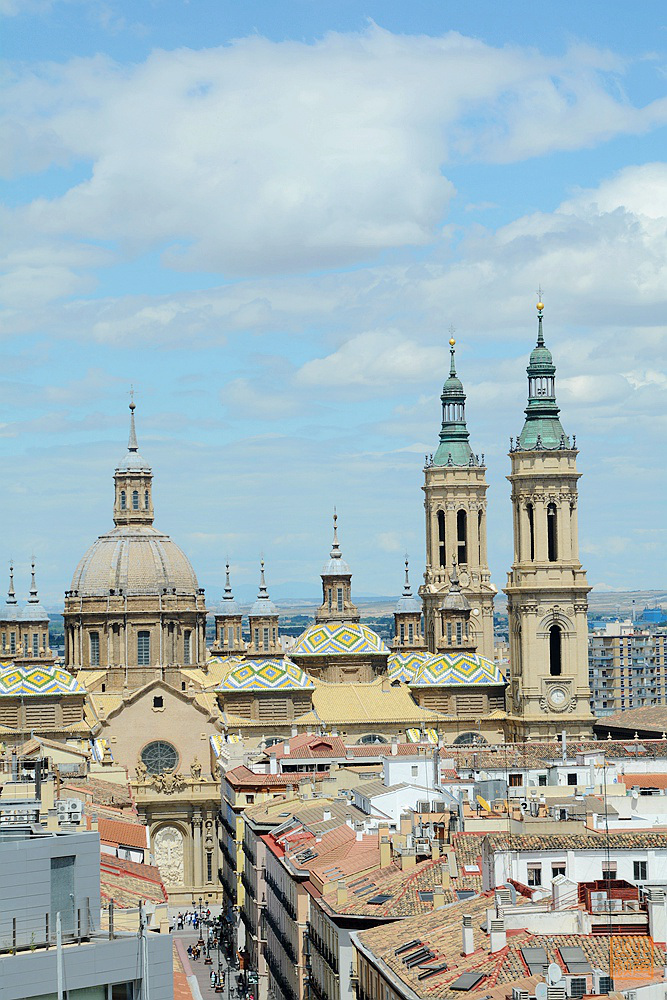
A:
(71, 713)
(470, 703)
(270, 709)
(9, 715)
(39, 715)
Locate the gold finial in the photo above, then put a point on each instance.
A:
(452, 331)
(540, 303)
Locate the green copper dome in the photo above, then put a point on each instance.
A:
(542, 429)
(454, 448)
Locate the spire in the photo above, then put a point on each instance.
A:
(33, 599)
(11, 594)
(335, 548)
(454, 448)
(407, 590)
(542, 430)
(228, 587)
(263, 605)
(132, 441)
(454, 586)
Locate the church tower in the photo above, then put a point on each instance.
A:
(456, 634)
(408, 636)
(336, 603)
(263, 621)
(546, 588)
(455, 503)
(228, 621)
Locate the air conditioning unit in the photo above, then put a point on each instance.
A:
(62, 806)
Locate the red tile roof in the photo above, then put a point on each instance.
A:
(122, 834)
(127, 883)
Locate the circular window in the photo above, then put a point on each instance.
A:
(159, 757)
(469, 738)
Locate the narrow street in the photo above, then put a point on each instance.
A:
(202, 972)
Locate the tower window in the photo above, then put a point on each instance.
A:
(442, 548)
(449, 633)
(330, 597)
(25, 645)
(144, 649)
(135, 499)
(552, 533)
(35, 644)
(479, 537)
(462, 537)
(186, 648)
(146, 499)
(530, 511)
(123, 500)
(265, 638)
(339, 595)
(459, 633)
(402, 633)
(94, 649)
(256, 638)
(411, 632)
(12, 642)
(555, 651)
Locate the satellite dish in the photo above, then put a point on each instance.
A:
(554, 974)
(541, 991)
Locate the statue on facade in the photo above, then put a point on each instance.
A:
(195, 770)
(140, 770)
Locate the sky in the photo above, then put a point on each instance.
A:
(267, 216)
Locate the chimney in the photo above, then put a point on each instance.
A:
(497, 935)
(386, 684)
(286, 747)
(408, 860)
(435, 849)
(394, 748)
(326, 815)
(451, 862)
(385, 852)
(405, 824)
(341, 893)
(438, 898)
(467, 938)
(445, 877)
(273, 764)
(360, 834)
(657, 915)
(295, 731)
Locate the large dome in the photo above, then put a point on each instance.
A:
(134, 559)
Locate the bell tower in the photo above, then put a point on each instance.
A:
(133, 484)
(546, 587)
(455, 503)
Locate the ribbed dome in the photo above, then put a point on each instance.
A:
(134, 559)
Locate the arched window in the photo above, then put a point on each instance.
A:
(465, 739)
(479, 537)
(187, 636)
(555, 651)
(372, 738)
(442, 549)
(146, 499)
(144, 649)
(123, 500)
(530, 511)
(135, 499)
(462, 537)
(552, 533)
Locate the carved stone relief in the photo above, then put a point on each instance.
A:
(168, 844)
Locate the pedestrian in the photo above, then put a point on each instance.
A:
(189, 951)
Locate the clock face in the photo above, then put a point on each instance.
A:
(557, 696)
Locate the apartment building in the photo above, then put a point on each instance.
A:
(627, 667)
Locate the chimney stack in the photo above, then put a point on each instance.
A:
(341, 893)
(438, 898)
(497, 934)
(467, 939)
(385, 852)
(327, 815)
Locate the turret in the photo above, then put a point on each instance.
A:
(133, 481)
(263, 619)
(408, 635)
(337, 603)
(228, 619)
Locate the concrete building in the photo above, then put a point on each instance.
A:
(627, 668)
(50, 936)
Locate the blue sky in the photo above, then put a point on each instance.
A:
(266, 216)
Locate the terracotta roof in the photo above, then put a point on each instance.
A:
(100, 791)
(440, 931)
(241, 776)
(644, 780)
(649, 717)
(127, 882)
(591, 841)
(122, 833)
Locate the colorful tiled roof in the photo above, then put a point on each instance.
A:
(404, 666)
(457, 669)
(333, 638)
(37, 680)
(266, 675)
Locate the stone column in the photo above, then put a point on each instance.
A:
(197, 850)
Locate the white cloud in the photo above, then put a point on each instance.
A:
(376, 359)
(264, 156)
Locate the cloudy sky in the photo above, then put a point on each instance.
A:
(266, 216)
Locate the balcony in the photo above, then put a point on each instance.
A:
(285, 942)
(285, 986)
(290, 908)
(322, 949)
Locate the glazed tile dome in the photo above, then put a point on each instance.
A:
(329, 639)
(135, 560)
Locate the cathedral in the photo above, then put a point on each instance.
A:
(140, 686)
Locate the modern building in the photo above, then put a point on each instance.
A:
(627, 667)
(50, 934)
